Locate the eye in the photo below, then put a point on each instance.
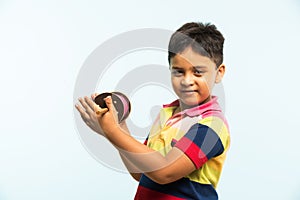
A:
(198, 72)
(177, 72)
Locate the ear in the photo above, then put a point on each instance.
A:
(220, 73)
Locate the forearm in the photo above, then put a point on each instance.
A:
(134, 171)
(139, 157)
(142, 159)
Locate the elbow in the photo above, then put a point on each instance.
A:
(136, 176)
(162, 180)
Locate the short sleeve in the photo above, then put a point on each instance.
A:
(146, 141)
(200, 144)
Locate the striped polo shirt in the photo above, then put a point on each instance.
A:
(202, 134)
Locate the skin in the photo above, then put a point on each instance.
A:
(193, 78)
(192, 84)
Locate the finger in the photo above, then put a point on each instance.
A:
(82, 112)
(95, 107)
(101, 111)
(91, 103)
(84, 102)
(94, 96)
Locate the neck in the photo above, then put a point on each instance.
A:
(183, 106)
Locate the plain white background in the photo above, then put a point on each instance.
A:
(43, 45)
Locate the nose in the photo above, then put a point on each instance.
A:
(187, 80)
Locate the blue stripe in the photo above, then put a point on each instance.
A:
(182, 188)
(206, 139)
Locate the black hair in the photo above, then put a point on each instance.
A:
(204, 39)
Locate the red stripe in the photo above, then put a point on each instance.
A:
(193, 151)
(174, 103)
(146, 142)
(148, 194)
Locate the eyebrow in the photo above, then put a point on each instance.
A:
(196, 67)
(200, 67)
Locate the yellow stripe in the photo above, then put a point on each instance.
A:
(161, 136)
(210, 172)
(220, 128)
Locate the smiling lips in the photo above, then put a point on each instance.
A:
(188, 92)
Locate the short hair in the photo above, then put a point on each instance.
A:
(204, 39)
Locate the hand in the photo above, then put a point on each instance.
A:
(108, 120)
(89, 112)
(122, 124)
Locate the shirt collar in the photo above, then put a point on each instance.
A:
(211, 105)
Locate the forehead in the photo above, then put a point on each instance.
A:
(189, 58)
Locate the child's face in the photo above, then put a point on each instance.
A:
(193, 77)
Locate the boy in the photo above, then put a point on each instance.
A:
(183, 155)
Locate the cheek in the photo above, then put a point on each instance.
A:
(205, 82)
(174, 83)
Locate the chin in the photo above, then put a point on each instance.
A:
(190, 103)
(193, 102)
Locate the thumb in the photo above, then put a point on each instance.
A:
(111, 107)
(109, 103)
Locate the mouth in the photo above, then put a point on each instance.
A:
(189, 91)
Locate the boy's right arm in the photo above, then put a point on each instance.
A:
(126, 162)
(135, 175)
(161, 169)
